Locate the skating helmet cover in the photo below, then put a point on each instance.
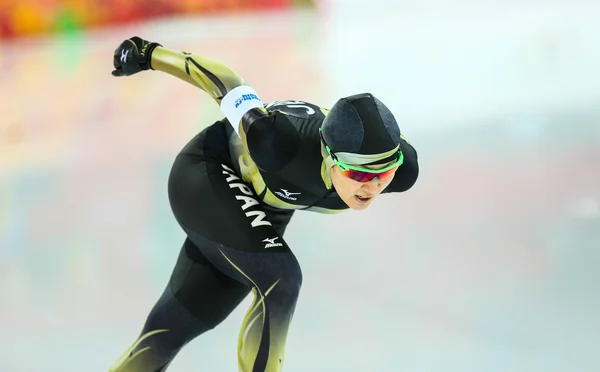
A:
(361, 130)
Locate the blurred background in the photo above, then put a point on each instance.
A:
(490, 263)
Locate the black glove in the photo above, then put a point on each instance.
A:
(133, 56)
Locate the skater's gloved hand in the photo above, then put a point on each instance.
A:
(133, 56)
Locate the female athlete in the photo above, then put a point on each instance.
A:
(233, 190)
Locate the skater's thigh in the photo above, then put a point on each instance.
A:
(205, 292)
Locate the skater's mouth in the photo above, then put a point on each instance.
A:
(362, 199)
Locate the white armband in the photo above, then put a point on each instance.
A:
(237, 102)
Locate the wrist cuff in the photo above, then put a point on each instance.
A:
(237, 102)
(151, 48)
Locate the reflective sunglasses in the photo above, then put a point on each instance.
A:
(361, 174)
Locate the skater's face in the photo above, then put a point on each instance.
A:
(359, 195)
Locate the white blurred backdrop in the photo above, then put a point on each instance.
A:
(490, 263)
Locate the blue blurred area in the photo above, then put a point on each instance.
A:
(489, 263)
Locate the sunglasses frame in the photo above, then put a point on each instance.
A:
(343, 166)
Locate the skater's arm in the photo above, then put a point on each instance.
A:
(212, 77)
(239, 102)
(271, 139)
(242, 106)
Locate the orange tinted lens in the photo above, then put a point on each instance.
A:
(387, 173)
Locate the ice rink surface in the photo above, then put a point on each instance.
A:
(490, 263)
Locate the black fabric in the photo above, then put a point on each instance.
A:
(271, 135)
(408, 172)
(376, 138)
(361, 124)
(132, 56)
(343, 128)
(197, 298)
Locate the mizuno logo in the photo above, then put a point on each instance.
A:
(286, 194)
(124, 54)
(271, 242)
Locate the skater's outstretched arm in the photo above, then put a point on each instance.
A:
(261, 132)
(236, 98)
(212, 77)
(135, 55)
